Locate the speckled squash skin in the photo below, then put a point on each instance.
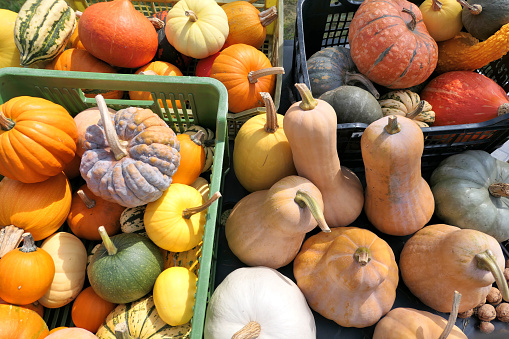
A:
(493, 16)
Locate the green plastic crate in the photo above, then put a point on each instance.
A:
(204, 102)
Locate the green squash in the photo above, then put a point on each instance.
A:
(471, 190)
(125, 267)
(482, 18)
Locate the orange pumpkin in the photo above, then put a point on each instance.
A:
(192, 158)
(74, 41)
(37, 139)
(35, 306)
(72, 169)
(19, 322)
(83, 119)
(89, 310)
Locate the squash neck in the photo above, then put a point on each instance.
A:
(189, 212)
(252, 330)
(308, 102)
(499, 190)
(304, 199)
(487, 261)
(253, 76)
(6, 124)
(90, 203)
(452, 316)
(474, 9)
(117, 148)
(413, 21)
(110, 246)
(28, 243)
(268, 16)
(271, 125)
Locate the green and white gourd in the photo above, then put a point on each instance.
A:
(408, 104)
(208, 143)
(131, 220)
(42, 29)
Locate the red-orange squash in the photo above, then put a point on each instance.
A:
(89, 310)
(18, 322)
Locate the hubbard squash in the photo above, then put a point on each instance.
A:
(310, 126)
(19, 322)
(482, 18)
(442, 18)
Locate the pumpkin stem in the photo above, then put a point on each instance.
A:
(417, 110)
(358, 77)
(28, 243)
(268, 16)
(413, 22)
(362, 255)
(10, 237)
(500, 189)
(271, 125)
(250, 331)
(452, 316)
(188, 212)
(474, 9)
(116, 147)
(192, 15)
(503, 109)
(304, 199)
(121, 331)
(198, 137)
(436, 5)
(156, 22)
(253, 76)
(6, 124)
(90, 203)
(487, 261)
(110, 246)
(78, 14)
(308, 102)
(393, 126)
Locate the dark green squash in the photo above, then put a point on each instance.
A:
(332, 67)
(482, 18)
(166, 52)
(125, 267)
(353, 104)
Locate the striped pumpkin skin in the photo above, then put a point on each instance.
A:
(385, 48)
(42, 29)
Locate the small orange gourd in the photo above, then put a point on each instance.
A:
(192, 158)
(89, 310)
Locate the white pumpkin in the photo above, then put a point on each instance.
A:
(261, 300)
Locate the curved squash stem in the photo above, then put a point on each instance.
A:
(121, 331)
(417, 110)
(250, 331)
(188, 212)
(271, 125)
(308, 102)
(393, 126)
(90, 203)
(357, 77)
(413, 22)
(487, 261)
(362, 255)
(6, 123)
(110, 247)
(474, 9)
(500, 189)
(436, 5)
(119, 151)
(268, 16)
(452, 316)
(192, 15)
(28, 243)
(253, 76)
(10, 237)
(303, 198)
(198, 137)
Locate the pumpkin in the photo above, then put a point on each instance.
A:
(188, 259)
(57, 329)
(356, 268)
(129, 160)
(204, 65)
(39, 208)
(388, 145)
(247, 24)
(262, 155)
(208, 143)
(279, 308)
(19, 322)
(70, 258)
(166, 52)
(390, 45)
(131, 220)
(89, 310)
(471, 190)
(332, 67)
(197, 28)
(310, 126)
(442, 18)
(25, 273)
(42, 29)
(142, 322)
(89, 211)
(470, 262)
(353, 104)
(74, 41)
(134, 43)
(72, 332)
(72, 169)
(9, 54)
(83, 119)
(125, 267)
(462, 97)
(35, 306)
(408, 104)
(267, 227)
(483, 18)
(27, 124)
(192, 158)
(245, 72)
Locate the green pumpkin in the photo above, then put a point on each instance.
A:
(125, 267)
(485, 17)
(471, 190)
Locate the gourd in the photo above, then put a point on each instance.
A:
(353, 104)
(188, 259)
(245, 72)
(89, 211)
(89, 310)
(39, 208)
(262, 155)
(142, 322)
(25, 273)
(463, 97)
(192, 158)
(83, 119)
(72, 332)
(442, 18)
(208, 143)
(19, 322)
(197, 28)
(42, 29)
(203, 186)
(279, 308)
(125, 267)
(134, 43)
(470, 262)
(166, 52)
(396, 202)
(310, 126)
(403, 54)
(130, 160)
(70, 258)
(27, 153)
(356, 268)
(483, 18)
(267, 227)
(332, 67)
(471, 191)
(408, 104)
(9, 54)
(247, 25)
(131, 220)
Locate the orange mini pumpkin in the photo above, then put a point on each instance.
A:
(90, 310)
(192, 158)
(19, 322)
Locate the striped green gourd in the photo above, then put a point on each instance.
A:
(42, 29)
(131, 220)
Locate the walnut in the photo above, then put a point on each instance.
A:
(494, 297)
(476, 309)
(486, 327)
(486, 312)
(466, 314)
(502, 311)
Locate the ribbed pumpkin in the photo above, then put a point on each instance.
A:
(37, 139)
(19, 322)
(89, 310)
(9, 54)
(390, 44)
